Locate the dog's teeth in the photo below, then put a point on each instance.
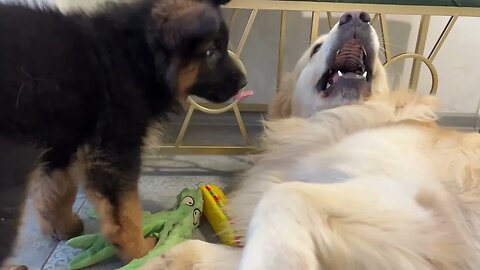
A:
(338, 52)
(340, 73)
(364, 52)
(365, 74)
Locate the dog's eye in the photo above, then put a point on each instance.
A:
(210, 52)
(315, 49)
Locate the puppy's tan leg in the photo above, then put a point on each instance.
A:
(111, 182)
(54, 195)
(122, 223)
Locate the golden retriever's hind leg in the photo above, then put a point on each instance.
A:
(54, 194)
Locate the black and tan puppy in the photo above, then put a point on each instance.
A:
(77, 95)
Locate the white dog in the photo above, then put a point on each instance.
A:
(374, 185)
(310, 87)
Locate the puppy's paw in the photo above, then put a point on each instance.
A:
(62, 228)
(185, 256)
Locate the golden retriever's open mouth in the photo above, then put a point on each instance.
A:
(350, 71)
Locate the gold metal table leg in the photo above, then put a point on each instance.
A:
(246, 32)
(443, 36)
(330, 20)
(386, 37)
(315, 25)
(186, 123)
(281, 47)
(419, 49)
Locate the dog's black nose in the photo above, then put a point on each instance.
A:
(242, 82)
(355, 17)
(239, 79)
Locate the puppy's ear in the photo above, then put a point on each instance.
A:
(192, 23)
(218, 2)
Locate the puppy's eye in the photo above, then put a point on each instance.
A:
(209, 52)
(315, 49)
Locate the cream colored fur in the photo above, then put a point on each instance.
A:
(308, 99)
(376, 185)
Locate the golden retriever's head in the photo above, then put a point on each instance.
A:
(339, 68)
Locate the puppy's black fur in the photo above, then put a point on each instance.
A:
(100, 80)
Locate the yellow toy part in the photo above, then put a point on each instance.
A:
(213, 201)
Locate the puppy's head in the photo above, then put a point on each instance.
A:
(341, 67)
(189, 39)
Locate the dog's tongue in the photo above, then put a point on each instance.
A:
(243, 94)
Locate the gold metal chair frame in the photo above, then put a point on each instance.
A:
(317, 8)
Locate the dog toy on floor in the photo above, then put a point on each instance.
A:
(214, 200)
(169, 227)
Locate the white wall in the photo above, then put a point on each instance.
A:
(457, 63)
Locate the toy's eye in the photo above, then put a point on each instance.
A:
(188, 201)
(197, 214)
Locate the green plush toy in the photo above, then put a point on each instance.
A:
(170, 228)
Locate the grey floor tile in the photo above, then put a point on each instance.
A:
(33, 248)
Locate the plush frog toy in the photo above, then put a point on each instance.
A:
(169, 227)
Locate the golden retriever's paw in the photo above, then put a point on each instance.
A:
(185, 256)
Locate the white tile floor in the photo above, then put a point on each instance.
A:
(163, 178)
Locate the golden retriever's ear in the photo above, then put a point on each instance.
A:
(281, 106)
(183, 23)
